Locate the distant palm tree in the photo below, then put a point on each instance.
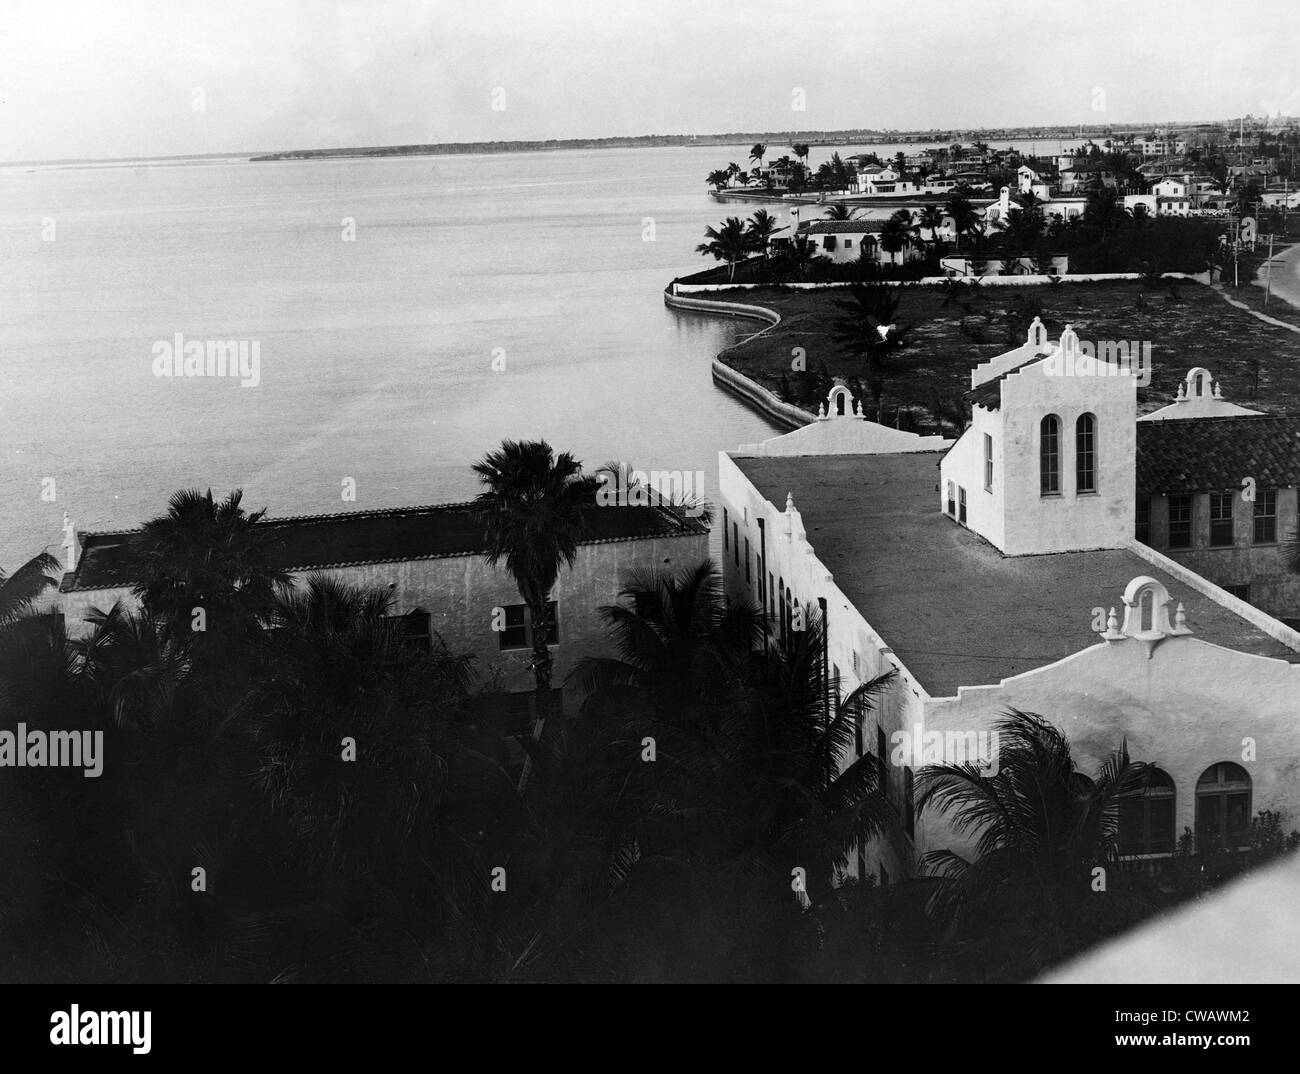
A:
(867, 325)
(761, 227)
(743, 178)
(964, 216)
(733, 170)
(840, 211)
(932, 217)
(20, 590)
(718, 178)
(802, 256)
(896, 235)
(757, 152)
(533, 503)
(800, 150)
(730, 243)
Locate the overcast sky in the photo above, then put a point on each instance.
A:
(118, 78)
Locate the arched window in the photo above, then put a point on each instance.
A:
(1223, 807)
(1146, 816)
(1049, 453)
(1085, 454)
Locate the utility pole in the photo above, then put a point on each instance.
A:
(1268, 272)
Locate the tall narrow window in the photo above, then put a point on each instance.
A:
(735, 542)
(952, 499)
(1180, 522)
(1221, 518)
(1085, 454)
(726, 531)
(748, 575)
(988, 463)
(961, 504)
(1265, 516)
(1049, 452)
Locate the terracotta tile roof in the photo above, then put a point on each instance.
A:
(841, 227)
(1213, 454)
(311, 542)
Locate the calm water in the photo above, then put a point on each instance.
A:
(376, 354)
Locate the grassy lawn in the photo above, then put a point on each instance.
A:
(1188, 325)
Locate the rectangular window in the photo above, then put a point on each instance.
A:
(829, 242)
(952, 499)
(1050, 456)
(726, 530)
(518, 633)
(988, 463)
(961, 504)
(1265, 516)
(848, 244)
(748, 577)
(1180, 522)
(411, 631)
(735, 542)
(1142, 527)
(1240, 591)
(1221, 518)
(1085, 468)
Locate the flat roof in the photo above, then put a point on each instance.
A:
(953, 608)
(111, 560)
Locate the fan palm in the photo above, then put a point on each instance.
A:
(762, 225)
(533, 505)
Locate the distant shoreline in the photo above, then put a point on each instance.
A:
(677, 141)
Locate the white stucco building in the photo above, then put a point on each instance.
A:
(1003, 572)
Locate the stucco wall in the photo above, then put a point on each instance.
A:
(1187, 707)
(793, 564)
(1272, 587)
(460, 593)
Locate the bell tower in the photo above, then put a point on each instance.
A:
(1048, 463)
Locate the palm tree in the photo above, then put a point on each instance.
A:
(20, 590)
(867, 326)
(896, 235)
(965, 218)
(840, 211)
(762, 225)
(730, 243)
(718, 178)
(211, 555)
(743, 178)
(756, 153)
(534, 506)
(800, 150)
(932, 216)
(1040, 829)
(733, 170)
(802, 256)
